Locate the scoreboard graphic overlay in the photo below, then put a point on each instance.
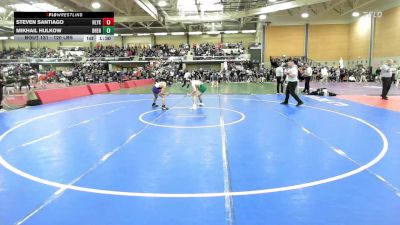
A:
(64, 26)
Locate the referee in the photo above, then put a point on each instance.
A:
(279, 79)
(386, 75)
(307, 76)
(292, 80)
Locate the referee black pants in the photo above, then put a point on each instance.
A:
(386, 83)
(307, 85)
(184, 83)
(291, 89)
(279, 83)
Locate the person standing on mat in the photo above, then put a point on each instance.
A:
(160, 89)
(279, 78)
(386, 76)
(307, 76)
(198, 90)
(292, 80)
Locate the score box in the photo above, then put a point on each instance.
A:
(61, 38)
(108, 21)
(108, 30)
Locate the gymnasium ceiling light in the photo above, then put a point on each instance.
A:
(116, 35)
(143, 34)
(231, 32)
(355, 14)
(263, 17)
(3, 38)
(195, 33)
(272, 1)
(161, 34)
(162, 3)
(2, 9)
(178, 33)
(249, 31)
(96, 5)
(126, 35)
(305, 15)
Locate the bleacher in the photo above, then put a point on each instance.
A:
(115, 54)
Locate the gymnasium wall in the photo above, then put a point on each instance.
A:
(117, 41)
(284, 40)
(136, 40)
(52, 45)
(328, 42)
(359, 36)
(387, 34)
(214, 66)
(387, 39)
(80, 44)
(171, 40)
(15, 44)
(142, 40)
(198, 39)
(214, 39)
(236, 38)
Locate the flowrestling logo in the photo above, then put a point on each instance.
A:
(374, 14)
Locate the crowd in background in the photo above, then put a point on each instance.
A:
(17, 53)
(298, 60)
(99, 72)
(358, 73)
(111, 51)
(208, 49)
(29, 75)
(165, 50)
(95, 72)
(141, 51)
